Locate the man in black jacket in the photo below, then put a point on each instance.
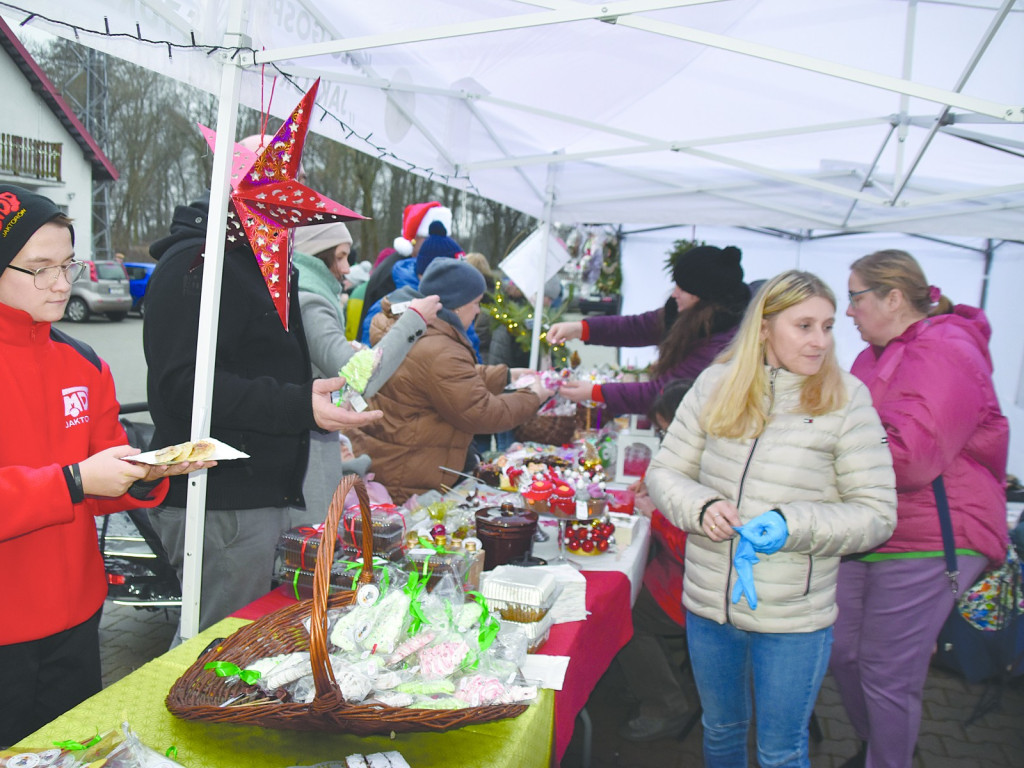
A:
(265, 402)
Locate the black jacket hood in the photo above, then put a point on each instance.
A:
(189, 223)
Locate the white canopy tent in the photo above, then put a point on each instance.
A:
(789, 115)
(867, 115)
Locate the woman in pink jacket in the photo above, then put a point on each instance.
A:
(930, 375)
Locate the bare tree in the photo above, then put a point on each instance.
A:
(163, 161)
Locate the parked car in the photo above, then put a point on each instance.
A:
(102, 289)
(138, 275)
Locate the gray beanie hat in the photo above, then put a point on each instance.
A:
(456, 282)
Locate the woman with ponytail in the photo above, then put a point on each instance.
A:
(930, 375)
(696, 323)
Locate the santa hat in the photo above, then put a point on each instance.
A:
(416, 221)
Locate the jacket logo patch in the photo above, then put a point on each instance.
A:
(76, 406)
(808, 421)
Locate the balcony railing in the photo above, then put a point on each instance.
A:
(21, 156)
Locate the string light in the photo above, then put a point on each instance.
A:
(382, 152)
(517, 319)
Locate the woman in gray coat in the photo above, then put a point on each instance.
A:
(774, 451)
(321, 256)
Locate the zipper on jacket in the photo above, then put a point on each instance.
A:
(739, 494)
(810, 573)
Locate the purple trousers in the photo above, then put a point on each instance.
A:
(890, 615)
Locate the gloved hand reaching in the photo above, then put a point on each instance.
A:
(765, 533)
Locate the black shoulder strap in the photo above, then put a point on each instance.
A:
(946, 524)
(79, 346)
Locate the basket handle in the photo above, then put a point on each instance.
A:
(327, 695)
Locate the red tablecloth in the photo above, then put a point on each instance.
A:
(591, 645)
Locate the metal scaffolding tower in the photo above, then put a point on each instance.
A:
(93, 114)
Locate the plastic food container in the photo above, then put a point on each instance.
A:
(300, 580)
(438, 564)
(520, 594)
(537, 632)
(388, 532)
(297, 547)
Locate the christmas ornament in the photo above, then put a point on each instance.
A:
(267, 200)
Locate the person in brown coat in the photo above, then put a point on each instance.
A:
(440, 397)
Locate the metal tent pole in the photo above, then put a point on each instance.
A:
(209, 317)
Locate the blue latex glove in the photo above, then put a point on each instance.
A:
(744, 561)
(766, 533)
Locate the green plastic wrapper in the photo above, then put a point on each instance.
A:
(358, 370)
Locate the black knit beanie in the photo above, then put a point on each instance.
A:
(22, 213)
(713, 274)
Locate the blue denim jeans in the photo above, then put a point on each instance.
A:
(785, 671)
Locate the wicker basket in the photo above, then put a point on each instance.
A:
(199, 693)
(550, 430)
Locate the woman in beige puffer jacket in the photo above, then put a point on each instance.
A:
(774, 426)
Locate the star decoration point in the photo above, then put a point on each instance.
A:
(266, 227)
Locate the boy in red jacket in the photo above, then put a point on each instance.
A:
(61, 462)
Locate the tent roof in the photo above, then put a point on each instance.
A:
(868, 115)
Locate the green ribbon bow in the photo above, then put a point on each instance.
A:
(378, 563)
(428, 544)
(414, 588)
(489, 625)
(227, 669)
(73, 745)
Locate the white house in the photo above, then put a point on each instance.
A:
(43, 146)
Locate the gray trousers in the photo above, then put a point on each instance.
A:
(238, 554)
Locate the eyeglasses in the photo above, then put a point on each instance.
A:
(854, 294)
(44, 277)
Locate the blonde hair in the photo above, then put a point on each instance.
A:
(892, 269)
(739, 408)
(479, 261)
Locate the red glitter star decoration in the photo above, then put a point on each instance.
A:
(267, 200)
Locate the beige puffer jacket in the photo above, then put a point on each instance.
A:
(831, 477)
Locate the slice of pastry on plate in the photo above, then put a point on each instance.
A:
(173, 453)
(201, 450)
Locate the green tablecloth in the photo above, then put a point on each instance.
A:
(139, 700)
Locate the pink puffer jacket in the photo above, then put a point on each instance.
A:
(932, 386)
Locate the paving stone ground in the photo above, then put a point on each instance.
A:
(130, 637)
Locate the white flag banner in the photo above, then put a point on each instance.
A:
(523, 264)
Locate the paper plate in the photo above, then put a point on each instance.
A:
(223, 452)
